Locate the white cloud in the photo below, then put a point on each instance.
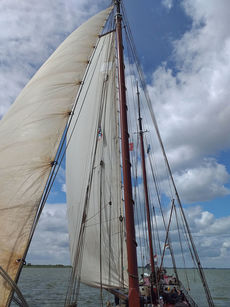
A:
(50, 243)
(167, 3)
(192, 107)
(192, 103)
(211, 236)
(29, 32)
(204, 182)
(63, 188)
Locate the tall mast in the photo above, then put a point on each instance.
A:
(145, 187)
(134, 296)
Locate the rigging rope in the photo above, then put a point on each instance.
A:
(200, 269)
(58, 158)
(181, 247)
(21, 300)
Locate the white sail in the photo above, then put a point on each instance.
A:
(94, 177)
(30, 134)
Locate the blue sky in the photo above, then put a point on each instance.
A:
(184, 48)
(154, 30)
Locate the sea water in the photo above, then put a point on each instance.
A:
(44, 287)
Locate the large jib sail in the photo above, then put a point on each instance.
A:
(95, 207)
(30, 134)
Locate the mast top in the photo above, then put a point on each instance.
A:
(118, 6)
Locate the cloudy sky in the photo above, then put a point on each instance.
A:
(184, 48)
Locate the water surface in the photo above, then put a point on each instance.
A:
(47, 287)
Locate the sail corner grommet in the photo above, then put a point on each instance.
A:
(21, 260)
(79, 82)
(53, 163)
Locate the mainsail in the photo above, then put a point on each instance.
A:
(30, 134)
(95, 207)
(72, 103)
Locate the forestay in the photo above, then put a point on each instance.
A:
(95, 209)
(30, 134)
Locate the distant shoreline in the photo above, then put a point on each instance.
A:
(29, 265)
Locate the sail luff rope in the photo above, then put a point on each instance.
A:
(110, 203)
(108, 220)
(102, 112)
(121, 208)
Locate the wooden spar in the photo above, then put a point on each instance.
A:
(134, 296)
(145, 183)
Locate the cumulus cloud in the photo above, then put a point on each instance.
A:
(205, 182)
(50, 242)
(211, 236)
(191, 100)
(191, 105)
(29, 32)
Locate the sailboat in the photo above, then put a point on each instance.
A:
(76, 106)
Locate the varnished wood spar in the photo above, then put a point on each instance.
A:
(145, 183)
(134, 296)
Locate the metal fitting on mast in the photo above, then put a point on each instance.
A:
(117, 3)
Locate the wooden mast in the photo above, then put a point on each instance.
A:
(134, 296)
(145, 183)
